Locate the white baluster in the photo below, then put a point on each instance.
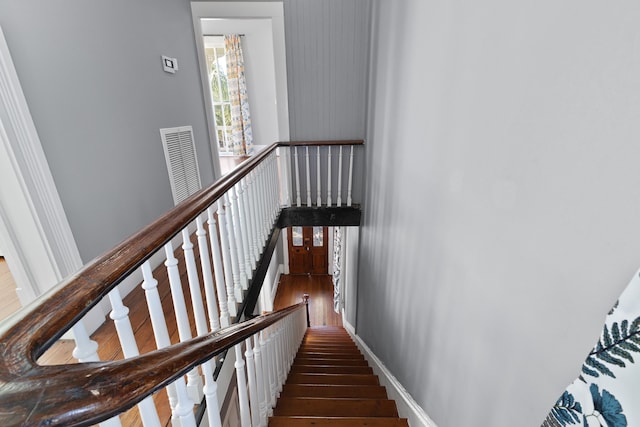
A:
(194, 284)
(226, 258)
(350, 177)
(244, 229)
(273, 388)
(284, 178)
(253, 205)
(318, 180)
(237, 240)
(264, 351)
(253, 391)
(262, 404)
(218, 269)
(280, 356)
(243, 399)
(308, 179)
(158, 321)
(207, 276)
(275, 189)
(339, 201)
(295, 155)
(184, 409)
(120, 316)
(233, 250)
(86, 350)
(245, 215)
(194, 384)
(329, 184)
(263, 205)
(211, 395)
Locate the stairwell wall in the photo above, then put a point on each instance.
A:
(500, 216)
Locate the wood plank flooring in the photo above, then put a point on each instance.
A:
(320, 289)
(9, 302)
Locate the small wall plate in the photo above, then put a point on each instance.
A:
(170, 65)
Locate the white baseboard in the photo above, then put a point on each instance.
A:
(276, 282)
(407, 407)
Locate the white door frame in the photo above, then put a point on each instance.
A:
(243, 10)
(29, 203)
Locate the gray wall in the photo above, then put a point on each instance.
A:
(501, 210)
(327, 44)
(92, 76)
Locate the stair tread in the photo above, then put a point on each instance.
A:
(321, 361)
(334, 390)
(293, 421)
(346, 407)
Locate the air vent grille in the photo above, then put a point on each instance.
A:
(182, 164)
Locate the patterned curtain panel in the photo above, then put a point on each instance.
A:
(241, 135)
(607, 391)
(337, 269)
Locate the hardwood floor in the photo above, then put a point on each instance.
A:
(9, 302)
(320, 290)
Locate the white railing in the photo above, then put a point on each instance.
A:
(323, 171)
(207, 248)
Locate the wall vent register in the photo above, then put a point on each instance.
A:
(180, 154)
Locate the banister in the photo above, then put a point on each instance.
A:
(87, 393)
(25, 336)
(40, 324)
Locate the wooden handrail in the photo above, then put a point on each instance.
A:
(26, 388)
(87, 393)
(321, 143)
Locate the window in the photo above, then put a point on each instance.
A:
(296, 236)
(217, 70)
(318, 236)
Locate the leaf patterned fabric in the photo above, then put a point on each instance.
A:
(606, 392)
(241, 134)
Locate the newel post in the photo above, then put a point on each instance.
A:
(305, 300)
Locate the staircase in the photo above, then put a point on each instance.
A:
(331, 384)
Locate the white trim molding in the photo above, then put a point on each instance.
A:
(33, 170)
(407, 406)
(32, 206)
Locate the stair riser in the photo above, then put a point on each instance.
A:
(332, 379)
(330, 356)
(334, 391)
(335, 407)
(337, 422)
(339, 362)
(323, 369)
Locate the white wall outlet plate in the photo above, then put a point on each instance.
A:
(170, 65)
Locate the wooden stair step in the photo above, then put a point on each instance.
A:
(331, 369)
(322, 407)
(327, 342)
(337, 422)
(322, 361)
(353, 379)
(334, 391)
(329, 355)
(329, 345)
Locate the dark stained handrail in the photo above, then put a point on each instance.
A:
(25, 336)
(87, 393)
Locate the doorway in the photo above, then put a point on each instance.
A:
(261, 28)
(308, 250)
